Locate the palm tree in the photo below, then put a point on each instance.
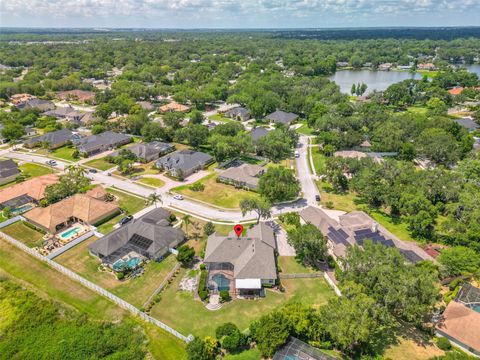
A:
(154, 198)
(186, 220)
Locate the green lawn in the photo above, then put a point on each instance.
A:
(218, 194)
(24, 234)
(319, 160)
(100, 164)
(221, 118)
(252, 354)
(305, 129)
(33, 170)
(340, 201)
(290, 265)
(151, 182)
(65, 153)
(135, 291)
(179, 309)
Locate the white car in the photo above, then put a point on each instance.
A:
(297, 154)
(178, 197)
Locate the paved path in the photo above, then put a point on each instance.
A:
(309, 188)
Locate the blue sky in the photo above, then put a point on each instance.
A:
(238, 13)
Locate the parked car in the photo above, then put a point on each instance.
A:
(93, 171)
(51, 162)
(297, 154)
(317, 198)
(125, 220)
(178, 197)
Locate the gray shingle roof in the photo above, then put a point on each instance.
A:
(146, 150)
(8, 168)
(258, 132)
(55, 137)
(467, 123)
(238, 111)
(245, 173)
(184, 160)
(153, 226)
(252, 256)
(104, 140)
(282, 117)
(36, 104)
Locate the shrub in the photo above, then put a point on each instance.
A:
(120, 276)
(329, 204)
(225, 330)
(444, 344)
(225, 296)
(202, 285)
(31, 226)
(331, 262)
(203, 294)
(185, 254)
(208, 228)
(202, 267)
(172, 218)
(197, 187)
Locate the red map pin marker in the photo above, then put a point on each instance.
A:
(238, 229)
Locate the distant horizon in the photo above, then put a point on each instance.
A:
(100, 28)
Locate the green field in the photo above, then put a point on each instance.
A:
(252, 354)
(64, 153)
(24, 234)
(101, 164)
(215, 193)
(221, 118)
(151, 182)
(305, 129)
(33, 170)
(290, 265)
(319, 160)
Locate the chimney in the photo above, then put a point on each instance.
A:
(374, 227)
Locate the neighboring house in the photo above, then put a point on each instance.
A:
(79, 208)
(353, 154)
(174, 106)
(354, 229)
(42, 105)
(21, 98)
(183, 163)
(297, 349)
(366, 145)
(151, 236)
(456, 91)
(147, 152)
(95, 144)
(282, 117)
(242, 265)
(468, 124)
(238, 113)
(55, 139)
(460, 322)
(244, 176)
(385, 67)
(258, 133)
(30, 191)
(426, 66)
(8, 171)
(66, 113)
(78, 95)
(146, 105)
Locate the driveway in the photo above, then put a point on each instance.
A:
(307, 182)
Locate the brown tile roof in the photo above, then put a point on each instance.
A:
(80, 95)
(81, 206)
(97, 192)
(174, 106)
(455, 91)
(34, 188)
(461, 323)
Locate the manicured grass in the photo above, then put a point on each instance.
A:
(179, 309)
(100, 164)
(394, 225)
(107, 227)
(152, 182)
(340, 201)
(24, 234)
(33, 170)
(319, 160)
(305, 129)
(420, 110)
(221, 118)
(290, 265)
(163, 345)
(218, 194)
(135, 291)
(252, 354)
(65, 153)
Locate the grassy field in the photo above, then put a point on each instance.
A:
(101, 164)
(47, 282)
(319, 160)
(344, 202)
(290, 265)
(151, 182)
(221, 118)
(305, 129)
(252, 354)
(65, 153)
(180, 310)
(216, 193)
(33, 170)
(24, 234)
(135, 291)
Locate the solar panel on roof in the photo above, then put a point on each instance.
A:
(411, 255)
(140, 241)
(388, 243)
(338, 237)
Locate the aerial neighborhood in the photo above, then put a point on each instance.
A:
(197, 195)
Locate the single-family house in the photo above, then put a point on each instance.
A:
(258, 132)
(238, 113)
(468, 123)
(27, 193)
(8, 171)
(385, 67)
(356, 228)
(282, 117)
(426, 66)
(242, 265)
(243, 176)
(174, 106)
(456, 90)
(54, 139)
(146, 152)
(78, 95)
(146, 105)
(183, 163)
(42, 105)
(151, 236)
(66, 113)
(79, 208)
(460, 322)
(21, 98)
(95, 144)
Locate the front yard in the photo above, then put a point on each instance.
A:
(101, 164)
(151, 182)
(33, 170)
(64, 153)
(319, 160)
(21, 232)
(215, 193)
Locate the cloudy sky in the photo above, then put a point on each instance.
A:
(238, 13)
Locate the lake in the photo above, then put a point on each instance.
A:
(375, 80)
(474, 68)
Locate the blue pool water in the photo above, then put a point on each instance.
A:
(22, 209)
(222, 282)
(121, 264)
(474, 307)
(70, 232)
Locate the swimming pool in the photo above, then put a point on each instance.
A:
(22, 209)
(222, 282)
(474, 307)
(70, 232)
(131, 263)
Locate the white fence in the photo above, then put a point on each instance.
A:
(120, 302)
(71, 244)
(332, 284)
(162, 285)
(11, 221)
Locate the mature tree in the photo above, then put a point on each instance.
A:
(438, 145)
(185, 254)
(13, 131)
(231, 338)
(209, 228)
(154, 199)
(277, 144)
(205, 349)
(278, 184)
(173, 119)
(72, 182)
(436, 107)
(260, 206)
(194, 134)
(125, 166)
(309, 244)
(196, 117)
(187, 220)
(459, 260)
(271, 332)
(153, 131)
(97, 129)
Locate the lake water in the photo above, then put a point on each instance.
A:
(375, 80)
(474, 68)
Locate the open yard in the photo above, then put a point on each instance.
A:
(136, 291)
(101, 164)
(151, 182)
(64, 153)
(305, 129)
(290, 265)
(216, 193)
(221, 118)
(180, 310)
(33, 170)
(319, 160)
(24, 234)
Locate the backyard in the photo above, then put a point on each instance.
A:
(135, 291)
(100, 164)
(215, 193)
(64, 153)
(21, 232)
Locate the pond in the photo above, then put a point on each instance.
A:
(375, 80)
(474, 69)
